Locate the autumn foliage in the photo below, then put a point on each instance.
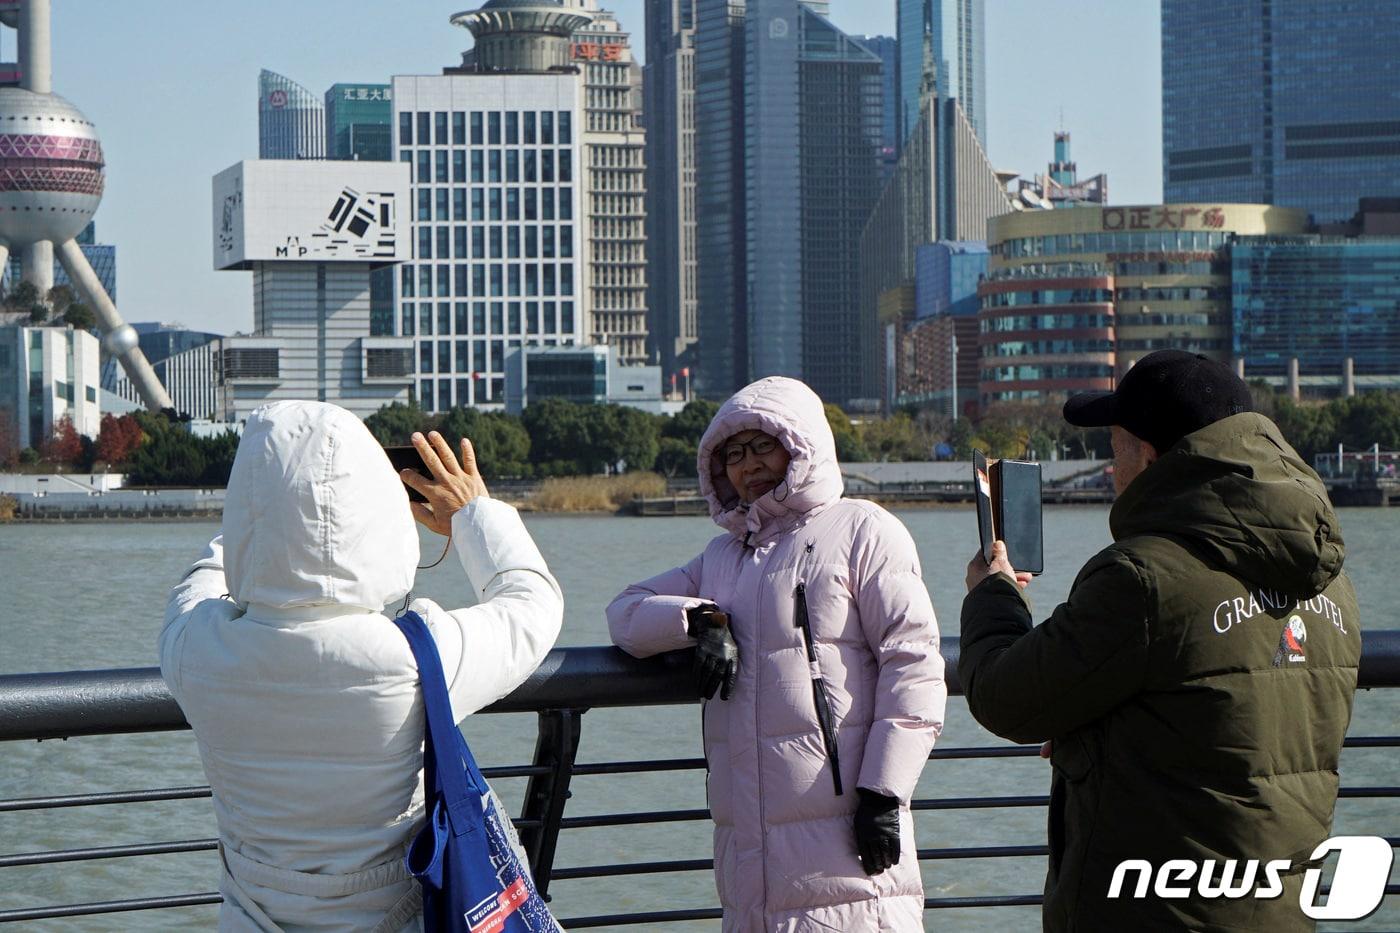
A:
(118, 439)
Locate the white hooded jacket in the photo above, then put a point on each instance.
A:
(279, 647)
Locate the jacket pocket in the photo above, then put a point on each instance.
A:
(825, 720)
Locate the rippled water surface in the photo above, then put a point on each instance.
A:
(91, 596)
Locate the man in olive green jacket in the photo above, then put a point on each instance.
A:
(1197, 685)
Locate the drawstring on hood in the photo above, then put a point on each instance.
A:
(315, 515)
(791, 412)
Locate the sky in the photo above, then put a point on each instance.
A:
(172, 87)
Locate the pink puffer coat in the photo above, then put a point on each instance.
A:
(785, 853)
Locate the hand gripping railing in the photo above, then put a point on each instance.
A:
(570, 682)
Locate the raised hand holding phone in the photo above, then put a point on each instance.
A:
(452, 486)
(979, 568)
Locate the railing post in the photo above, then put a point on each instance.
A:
(546, 794)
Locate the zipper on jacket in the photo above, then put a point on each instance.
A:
(819, 697)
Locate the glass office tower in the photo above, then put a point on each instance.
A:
(359, 121)
(1287, 102)
(1320, 300)
(669, 89)
(952, 33)
(788, 133)
(291, 120)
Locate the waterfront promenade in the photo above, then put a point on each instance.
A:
(608, 822)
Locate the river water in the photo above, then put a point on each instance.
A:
(91, 596)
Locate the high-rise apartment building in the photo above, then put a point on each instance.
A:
(291, 120)
(614, 179)
(670, 180)
(1287, 102)
(951, 35)
(496, 152)
(359, 122)
(788, 125)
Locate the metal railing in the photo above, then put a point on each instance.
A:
(568, 684)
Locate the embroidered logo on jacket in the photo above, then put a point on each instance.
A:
(1290, 643)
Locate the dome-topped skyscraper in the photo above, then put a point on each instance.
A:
(521, 36)
(51, 182)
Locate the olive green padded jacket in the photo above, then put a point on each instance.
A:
(1197, 686)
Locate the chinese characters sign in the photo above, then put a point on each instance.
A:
(365, 93)
(597, 52)
(1163, 218)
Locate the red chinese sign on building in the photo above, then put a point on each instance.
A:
(1163, 218)
(597, 52)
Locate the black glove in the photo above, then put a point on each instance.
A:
(877, 831)
(716, 653)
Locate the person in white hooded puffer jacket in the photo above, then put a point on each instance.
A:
(304, 698)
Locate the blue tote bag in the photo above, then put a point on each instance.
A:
(473, 880)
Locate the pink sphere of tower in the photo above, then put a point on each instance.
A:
(51, 168)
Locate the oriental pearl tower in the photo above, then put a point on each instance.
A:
(51, 181)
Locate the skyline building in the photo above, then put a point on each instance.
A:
(669, 91)
(1060, 186)
(190, 375)
(1287, 102)
(946, 276)
(46, 373)
(887, 48)
(359, 122)
(311, 232)
(1073, 298)
(943, 188)
(291, 120)
(936, 354)
(951, 34)
(1318, 314)
(788, 124)
(584, 375)
(183, 360)
(614, 179)
(495, 149)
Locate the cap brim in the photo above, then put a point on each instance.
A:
(1092, 409)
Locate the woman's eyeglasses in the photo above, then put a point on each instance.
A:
(761, 446)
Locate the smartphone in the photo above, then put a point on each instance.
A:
(408, 458)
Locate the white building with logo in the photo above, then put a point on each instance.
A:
(321, 239)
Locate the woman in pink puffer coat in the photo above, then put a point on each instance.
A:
(839, 692)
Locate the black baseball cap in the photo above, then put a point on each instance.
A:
(1164, 397)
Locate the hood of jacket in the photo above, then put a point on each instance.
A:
(1239, 494)
(315, 515)
(788, 410)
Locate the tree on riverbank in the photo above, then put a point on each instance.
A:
(679, 444)
(170, 455)
(118, 439)
(1313, 428)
